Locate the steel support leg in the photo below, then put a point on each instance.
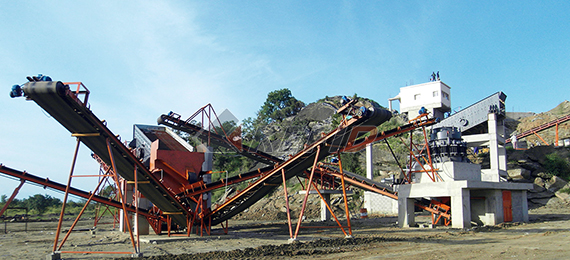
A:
(345, 199)
(22, 181)
(61, 215)
(307, 194)
(287, 204)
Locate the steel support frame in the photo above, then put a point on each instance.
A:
(22, 181)
(57, 246)
(311, 183)
(440, 210)
(413, 157)
(104, 175)
(542, 127)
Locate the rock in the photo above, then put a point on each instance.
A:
(518, 173)
(555, 202)
(563, 196)
(555, 183)
(539, 182)
(540, 195)
(532, 166)
(537, 188)
(542, 201)
(316, 112)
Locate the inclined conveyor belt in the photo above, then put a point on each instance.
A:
(174, 122)
(296, 165)
(64, 106)
(46, 182)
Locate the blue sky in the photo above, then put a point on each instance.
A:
(141, 59)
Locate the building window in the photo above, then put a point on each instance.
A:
(417, 96)
(445, 95)
(436, 93)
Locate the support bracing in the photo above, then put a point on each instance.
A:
(58, 246)
(12, 197)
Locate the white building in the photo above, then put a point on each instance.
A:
(434, 96)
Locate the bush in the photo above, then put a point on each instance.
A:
(558, 166)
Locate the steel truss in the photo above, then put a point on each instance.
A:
(58, 245)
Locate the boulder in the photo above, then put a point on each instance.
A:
(555, 183)
(540, 195)
(532, 166)
(555, 202)
(518, 173)
(542, 201)
(541, 174)
(538, 185)
(537, 188)
(563, 196)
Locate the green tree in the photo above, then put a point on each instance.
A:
(41, 203)
(557, 165)
(279, 105)
(351, 163)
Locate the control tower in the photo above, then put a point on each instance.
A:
(434, 96)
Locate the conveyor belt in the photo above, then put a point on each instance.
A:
(64, 106)
(173, 120)
(60, 187)
(296, 165)
(542, 127)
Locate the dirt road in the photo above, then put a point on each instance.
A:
(545, 237)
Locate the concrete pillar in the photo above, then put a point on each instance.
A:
(497, 151)
(406, 214)
(495, 207)
(520, 206)
(143, 227)
(207, 166)
(369, 164)
(325, 213)
(524, 206)
(461, 209)
(369, 175)
(127, 191)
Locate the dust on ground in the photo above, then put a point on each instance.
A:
(545, 236)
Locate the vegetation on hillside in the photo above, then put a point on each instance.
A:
(556, 165)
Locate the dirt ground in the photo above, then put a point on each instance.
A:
(546, 236)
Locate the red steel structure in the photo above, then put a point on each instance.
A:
(182, 206)
(542, 127)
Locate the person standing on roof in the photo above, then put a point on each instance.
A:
(514, 141)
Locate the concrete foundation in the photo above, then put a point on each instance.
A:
(471, 201)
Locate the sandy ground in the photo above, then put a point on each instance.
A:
(546, 236)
